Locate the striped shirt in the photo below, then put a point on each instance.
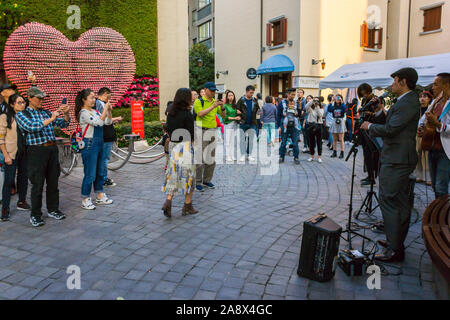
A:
(37, 133)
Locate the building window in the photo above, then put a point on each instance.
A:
(371, 38)
(204, 31)
(203, 3)
(204, 12)
(432, 18)
(276, 32)
(194, 17)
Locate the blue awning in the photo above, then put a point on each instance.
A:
(276, 64)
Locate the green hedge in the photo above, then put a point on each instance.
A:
(136, 20)
(150, 114)
(153, 131)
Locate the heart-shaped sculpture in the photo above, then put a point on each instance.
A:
(101, 57)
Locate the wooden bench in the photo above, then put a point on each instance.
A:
(436, 235)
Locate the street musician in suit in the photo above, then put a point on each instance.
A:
(398, 161)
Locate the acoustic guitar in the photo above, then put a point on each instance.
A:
(429, 131)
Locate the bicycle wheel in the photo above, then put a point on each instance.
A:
(67, 159)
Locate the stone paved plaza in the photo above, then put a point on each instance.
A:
(244, 243)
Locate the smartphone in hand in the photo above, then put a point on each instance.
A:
(220, 97)
(64, 101)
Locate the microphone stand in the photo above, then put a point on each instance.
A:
(351, 233)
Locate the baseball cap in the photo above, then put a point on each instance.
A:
(7, 86)
(36, 92)
(211, 86)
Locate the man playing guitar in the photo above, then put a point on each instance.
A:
(430, 130)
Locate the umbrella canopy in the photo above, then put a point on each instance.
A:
(377, 73)
(276, 64)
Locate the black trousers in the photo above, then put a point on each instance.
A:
(315, 138)
(371, 157)
(396, 191)
(43, 167)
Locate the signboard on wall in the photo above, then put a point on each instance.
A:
(137, 118)
(306, 82)
(252, 73)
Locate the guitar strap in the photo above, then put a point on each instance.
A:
(447, 109)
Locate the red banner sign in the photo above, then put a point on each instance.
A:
(137, 118)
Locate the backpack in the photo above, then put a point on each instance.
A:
(77, 138)
(291, 120)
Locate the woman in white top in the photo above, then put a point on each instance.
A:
(91, 123)
(315, 111)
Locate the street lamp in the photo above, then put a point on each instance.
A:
(198, 60)
(322, 62)
(218, 73)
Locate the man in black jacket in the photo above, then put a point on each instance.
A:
(398, 161)
(109, 133)
(247, 107)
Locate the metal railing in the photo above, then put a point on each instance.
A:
(68, 159)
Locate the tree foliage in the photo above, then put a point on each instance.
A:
(199, 75)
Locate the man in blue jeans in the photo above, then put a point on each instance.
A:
(438, 117)
(247, 108)
(290, 125)
(109, 134)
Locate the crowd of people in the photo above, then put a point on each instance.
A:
(245, 120)
(392, 140)
(29, 150)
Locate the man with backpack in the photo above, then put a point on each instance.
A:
(42, 152)
(290, 125)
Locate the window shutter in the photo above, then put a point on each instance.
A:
(380, 38)
(371, 36)
(425, 20)
(364, 35)
(432, 19)
(269, 34)
(284, 30)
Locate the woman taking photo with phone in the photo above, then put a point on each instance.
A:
(231, 118)
(12, 144)
(314, 108)
(91, 123)
(181, 172)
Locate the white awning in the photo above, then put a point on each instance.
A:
(377, 73)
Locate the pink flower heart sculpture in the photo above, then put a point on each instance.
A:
(101, 57)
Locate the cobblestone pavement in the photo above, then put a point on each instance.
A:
(244, 243)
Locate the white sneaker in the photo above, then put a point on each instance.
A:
(104, 201)
(305, 150)
(310, 159)
(320, 160)
(87, 204)
(251, 159)
(242, 159)
(229, 159)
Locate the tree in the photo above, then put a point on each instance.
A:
(200, 73)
